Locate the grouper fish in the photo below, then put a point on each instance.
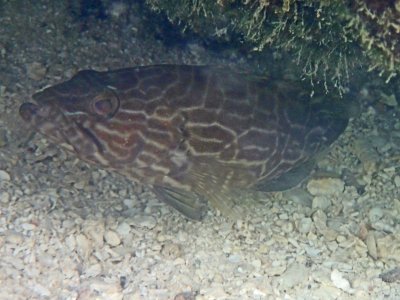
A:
(195, 134)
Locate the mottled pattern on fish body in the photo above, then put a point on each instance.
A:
(193, 132)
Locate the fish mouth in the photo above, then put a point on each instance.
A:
(30, 111)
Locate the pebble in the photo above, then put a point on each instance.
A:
(298, 195)
(36, 71)
(340, 282)
(389, 100)
(397, 181)
(304, 225)
(123, 229)
(93, 270)
(327, 293)
(3, 137)
(94, 230)
(321, 202)
(171, 250)
(294, 275)
(391, 275)
(83, 246)
(28, 226)
(325, 186)
(388, 247)
(14, 238)
(110, 289)
(4, 176)
(371, 245)
(144, 222)
(112, 238)
(375, 214)
(185, 296)
(4, 197)
(319, 218)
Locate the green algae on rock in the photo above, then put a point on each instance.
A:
(329, 39)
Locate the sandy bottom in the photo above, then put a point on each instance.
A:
(70, 231)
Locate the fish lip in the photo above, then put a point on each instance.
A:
(29, 110)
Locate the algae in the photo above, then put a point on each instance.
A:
(328, 40)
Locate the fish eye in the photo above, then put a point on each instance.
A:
(105, 104)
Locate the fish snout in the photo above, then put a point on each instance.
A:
(28, 111)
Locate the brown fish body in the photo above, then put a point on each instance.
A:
(192, 132)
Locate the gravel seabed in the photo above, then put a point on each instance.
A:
(72, 231)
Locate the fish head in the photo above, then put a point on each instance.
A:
(69, 113)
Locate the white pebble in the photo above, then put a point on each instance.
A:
(321, 202)
(294, 275)
(4, 197)
(144, 222)
(325, 186)
(112, 238)
(36, 71)
(123, 229)
(397, 181)
(375, 214)
(28, 226)
(83, 246)
(340, 282)
(371, 245)
(14, 238)
(4, 176)
(304, 225)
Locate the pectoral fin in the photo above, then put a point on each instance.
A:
(191, 205)
(287, 180)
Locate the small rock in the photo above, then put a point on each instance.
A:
(112, 238)
(256, 263)
(275, 270)
(83, 246)
(321, 202)
(325, 186)
(185, 296)
(129, 203)
(327, 292)
(123, 229)
(4, 176)
(36, 71)
(14, 238)
(340, 282)
(388, 247)
(397, 181)
(4, 197)
(93, 270)
(371, 245)
(28, 226)
(109, 288)
(3, 137)
(94, 230)
(375, 214)
(319, 218)
(389, 100)
(144, 222)
(171, 250)
(214, 292)
(298, 195)
(391, 275)
(304, 225)
(294, 275)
